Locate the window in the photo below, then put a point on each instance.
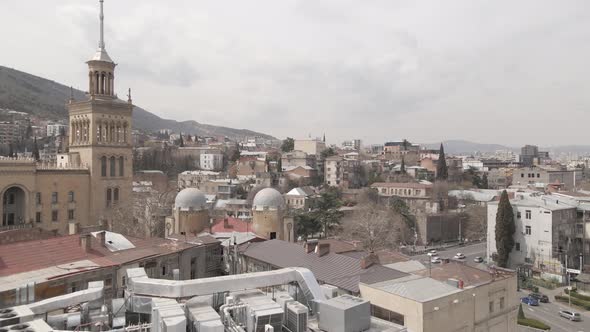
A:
(517, 246)
(121, 166)
(273, 235)
(123, 281)
(163, 270)
(527, 230)
(70, 214)
(501, 303)
(54, 197)
(11, 199)
(38, 217)
(522, 175)
(491, 305)
(113, 166)
(54, 216)
(103, 166)
(109, 197)
(538, 175)
(116, 195)
(38, 198)
(71, 197)
(518, 215)
(528, 214)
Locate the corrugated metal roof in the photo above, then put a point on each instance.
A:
(334, 269)
(408, 266)
(417, 288)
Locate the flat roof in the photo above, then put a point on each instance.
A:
(416, 287)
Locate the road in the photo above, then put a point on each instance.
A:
(549, 314)
(470, 252)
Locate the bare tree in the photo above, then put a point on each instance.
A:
(375, 226)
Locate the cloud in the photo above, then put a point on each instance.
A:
(375, 69)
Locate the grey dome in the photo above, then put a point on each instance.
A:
(268, 198)
(190, 199)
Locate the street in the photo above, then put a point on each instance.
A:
(470, 252)
(549, 314)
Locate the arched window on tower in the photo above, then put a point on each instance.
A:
(121, 166)
(116, 195)
(103, 166)
(113, 167)
(109, 197)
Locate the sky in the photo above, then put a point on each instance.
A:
(494, 71)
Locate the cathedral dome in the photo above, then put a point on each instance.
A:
(268, 198)
(190, 199)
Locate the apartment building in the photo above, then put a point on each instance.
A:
(341, 172)
(211, 161)
(404, 190)
(545, 175)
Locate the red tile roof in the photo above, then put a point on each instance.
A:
(233, 225)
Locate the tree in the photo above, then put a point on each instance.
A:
(288, 145)
(234, 155)
(484, 181)
(442, 172)
(36, 150)
(376, 227)
(11, 150)
(306, 225)
(402, 168)
(505, 229)
(327, 153)
(181, 144)
(327, 211)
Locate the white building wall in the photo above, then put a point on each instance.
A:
(211, 161)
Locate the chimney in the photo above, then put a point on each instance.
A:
(86, 242)
(322, 249)
(226, 224)
(102, 238)
(369, 260)
(310, 246)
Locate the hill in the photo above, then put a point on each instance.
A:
(467, 147)
(44, 98)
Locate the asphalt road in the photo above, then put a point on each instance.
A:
(470, 252)
(549, 314)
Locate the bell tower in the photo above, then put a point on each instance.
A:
(100, 137)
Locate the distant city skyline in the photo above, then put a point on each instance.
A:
(504, 72)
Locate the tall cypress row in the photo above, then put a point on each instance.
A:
(505, 229)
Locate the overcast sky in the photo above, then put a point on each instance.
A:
(510, 72)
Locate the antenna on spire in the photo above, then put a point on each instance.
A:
(129, 96)
(101, 42)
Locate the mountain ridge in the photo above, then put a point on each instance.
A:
(45, 98)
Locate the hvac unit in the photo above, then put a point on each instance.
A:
(329, 291)
(15, 315)
(37, 325)
(296, 317)
(345, 314)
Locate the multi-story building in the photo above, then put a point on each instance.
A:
(310, 146)
(341, 172)
(9, 132)
(447, 297)
(96, 183)
(300, 198)
(249, 166)
(56, 129)
(211, 161)
(544, 176)
(529, 155)
(404, 190)
(290, 160)
(547, 228)
(188, 179)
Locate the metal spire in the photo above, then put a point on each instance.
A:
(101, 42)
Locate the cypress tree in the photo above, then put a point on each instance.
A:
(181, 141)
(484, 181)
(403, 166)
(520, 312)
(442, 173)
(36, 150)
(10, 150)
(505, 229)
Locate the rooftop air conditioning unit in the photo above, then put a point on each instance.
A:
(296, 317)
(15, 315)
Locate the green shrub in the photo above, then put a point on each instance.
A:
(577, 295)
(533, 323)
(549, 284)
(520, 312)
(575, 301)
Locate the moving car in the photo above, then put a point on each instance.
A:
(573, 316)
(432, 253)
(478, 259)
(435, 260)
(541, 297)
(530, 301)
(459, 256)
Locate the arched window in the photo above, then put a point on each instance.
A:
(113, 167)
(121, 166)
(103, 166)
(71, 197)
(109, 197)
(116, 195)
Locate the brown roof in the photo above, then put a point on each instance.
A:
(334, 269)
(34, 255)
(340, 246)
(401, 185)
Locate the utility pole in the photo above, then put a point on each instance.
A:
(569, 297)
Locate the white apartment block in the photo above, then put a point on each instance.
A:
(547, 228)
(211, 161)
(55, 129)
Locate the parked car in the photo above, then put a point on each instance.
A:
(435, 260)
(541, 297)
(478, 259)
(573, 316)
(459, 256)
(432, 253)
(530, 301)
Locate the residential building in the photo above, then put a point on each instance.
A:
(9, 132)
(529, 155)
(447, 297)
(221, 188)
(188, 179)
(211, 161)
(232, 208)
(341, 172)
(301, 198)
(405, 190)
(57, 129)
(310, 146)
(543, 176)
(290, 160)
(249, 166)
(100, 256)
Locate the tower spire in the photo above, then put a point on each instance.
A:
(101, 16)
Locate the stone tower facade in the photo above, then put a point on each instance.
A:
(100, 138)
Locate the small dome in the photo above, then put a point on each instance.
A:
(190, 199)
(268, 198)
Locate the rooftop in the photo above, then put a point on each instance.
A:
(416, 287)
(413, 185)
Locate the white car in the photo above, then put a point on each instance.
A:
(459, 256)
(432, 253)
(435, 260)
